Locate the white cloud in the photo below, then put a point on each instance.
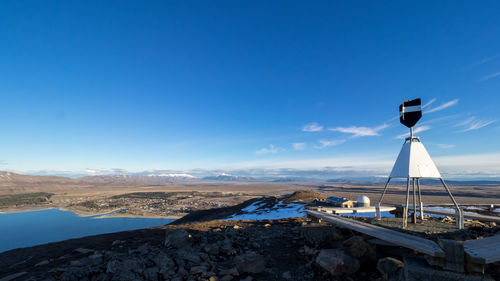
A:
(326, 143)
(429, 103)
(269, 150)
(415, 131)
(376, 163)
(298, 146)
(360, 131)
(312, 127)
(473, 123)
(443, 106)
(485, 60)
(444, 145)
(491, 76)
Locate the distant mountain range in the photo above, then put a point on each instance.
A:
(148, 178)
(225, 177)
(156, 177)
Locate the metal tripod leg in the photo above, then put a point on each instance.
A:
(385, 189)
(414, 216)
(459, 214)
(421, 205)
(377, 205)
(405, 212)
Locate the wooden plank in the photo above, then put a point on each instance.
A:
(467, 215)
(401, 239)
(455, 257)
(355, 210)
(485, 250)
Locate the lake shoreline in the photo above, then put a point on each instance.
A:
(97, 215)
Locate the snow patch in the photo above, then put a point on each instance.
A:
(278, 211)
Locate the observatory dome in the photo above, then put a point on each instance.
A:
(363, 201)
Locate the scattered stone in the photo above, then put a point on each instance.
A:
(189, 254)
(176, 238)
(113, 266)
(83, 251)
(255, 245)
(144, 249)
(96, 258)
(151, 273)
(117, 242)
(267, 225)
(337, 262)
(225, 246)
(211, 249)
(44, 262)
(248, 278)
(76, 263)
(250, 262)
(286, 275)
(236, 226)
(309, 251)
(12, 276)
(390, 268)
(226, 278)
(201, 269)
(162, 260)
(232, 271)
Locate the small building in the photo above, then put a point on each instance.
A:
(340, 202)
(363, 201)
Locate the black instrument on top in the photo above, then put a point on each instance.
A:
(410, 112)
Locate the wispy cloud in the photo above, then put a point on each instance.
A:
(326, 143)
(429, 103)
(444, 145)
(485, 60)
(473, 123)
(488, 77)
(417, 130)
(360, 131)
(442, 106)
(312, 127)
(271, 149)
(299, 146)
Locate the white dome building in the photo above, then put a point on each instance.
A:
(363, 201)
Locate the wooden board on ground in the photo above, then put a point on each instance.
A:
(401, 239)
(485, 250)
(467, 215)
(356, 210)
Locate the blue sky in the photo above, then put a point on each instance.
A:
(235, 85)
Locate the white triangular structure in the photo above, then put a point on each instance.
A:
(414, 162)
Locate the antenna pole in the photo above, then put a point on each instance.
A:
(411, 134)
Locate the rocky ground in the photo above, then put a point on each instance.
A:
(203, 247)
(287, 249)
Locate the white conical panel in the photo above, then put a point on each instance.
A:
(414, 162)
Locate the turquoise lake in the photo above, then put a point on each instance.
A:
(32, 228)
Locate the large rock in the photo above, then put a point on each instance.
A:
(189, 254)
(250, 262)
(225, 246)
(359, 248)
(151, 273)
(391, 268)
(337, 262)
(321, 237)
(162, 260)
(211, 249)
(177, 238)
